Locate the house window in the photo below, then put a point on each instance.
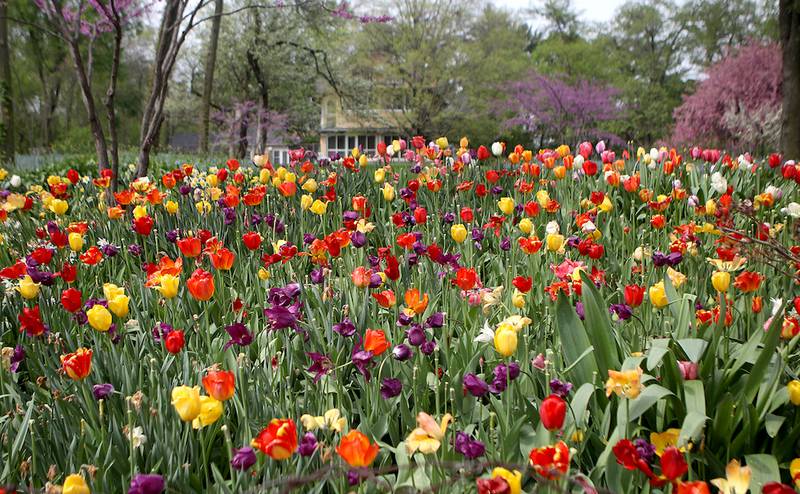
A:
(344, 144)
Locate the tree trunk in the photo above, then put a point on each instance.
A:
(789, 23)
(208, 83)
(110, 94)
(241, 150)
(169, 41)
(6, 103)
(100, 146)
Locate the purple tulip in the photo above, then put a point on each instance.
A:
(345, 328)
(402, 352)
(390, 387)
(469, 447)
(243, 458)
(308, 444)
(146, 484)
(475, 385)
(239, 334)
(102, 391)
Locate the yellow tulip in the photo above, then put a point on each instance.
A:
(263, 274)
(74, 484)
(362, 161)
(663, 440)
(711, 207)
(380, 175)
(119, 305)
(560, 172)
(58, 206)
(458, 232)
(75, 241)
(794, 392)
(263, 176)
(542, 197)
(355, 152)
(211, 180)
(428, 435)
(518, 299)
(139, 212)
(625, 384)
(442, 142)
(171, 207)
(290, 177)
(555, 241)
(736, 481)
(210, 412)
(606, 206)
(506, 205)
(310, 186)
(168, 285)
(388, 192)
(215, 193)
(794, 471)
(721, 280)
(505, 340)
(111, 290)
(99, 317)
(319, 207)
(658, 295)
(306, 201)
(186, 401)
(526, 225)
(281, 172)
(203, 207)
(513, 479)
(27, 288)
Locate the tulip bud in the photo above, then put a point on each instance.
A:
(552, 412)
(794, 392)
(721, 280)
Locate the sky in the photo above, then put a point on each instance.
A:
(590, 10)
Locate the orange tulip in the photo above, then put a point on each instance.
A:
(278, 439)
(414, 302)
(78, 364)
(375, 341)
(189, 246)
(201, 284)
(223, 259)
(219, 384)
(356, 450)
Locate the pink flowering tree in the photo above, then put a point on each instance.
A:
(737, 105)
(552, 110)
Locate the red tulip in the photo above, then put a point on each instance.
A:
(420, 215)
(673, 465)
(589, 168)
(190, 246)
(466, 214)
(466, 279)
(523, 283)
(174, 341)
(483, 153)
(219, 384)
(201, 284)
(774, 160)
(143, 226)
(552, 412)
(634, 294)
(71, 299)
(252, 240)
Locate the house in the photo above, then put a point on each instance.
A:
(341, 130)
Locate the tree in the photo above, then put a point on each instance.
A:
(496, 51)
(555, 112)
(73, 22)
(729, 110)
(415, 64)
(560, 18)
(6, 102)
(789, 25)
(208, 80)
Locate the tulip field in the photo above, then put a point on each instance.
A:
(439, 317)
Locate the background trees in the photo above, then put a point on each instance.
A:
(236, 75)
